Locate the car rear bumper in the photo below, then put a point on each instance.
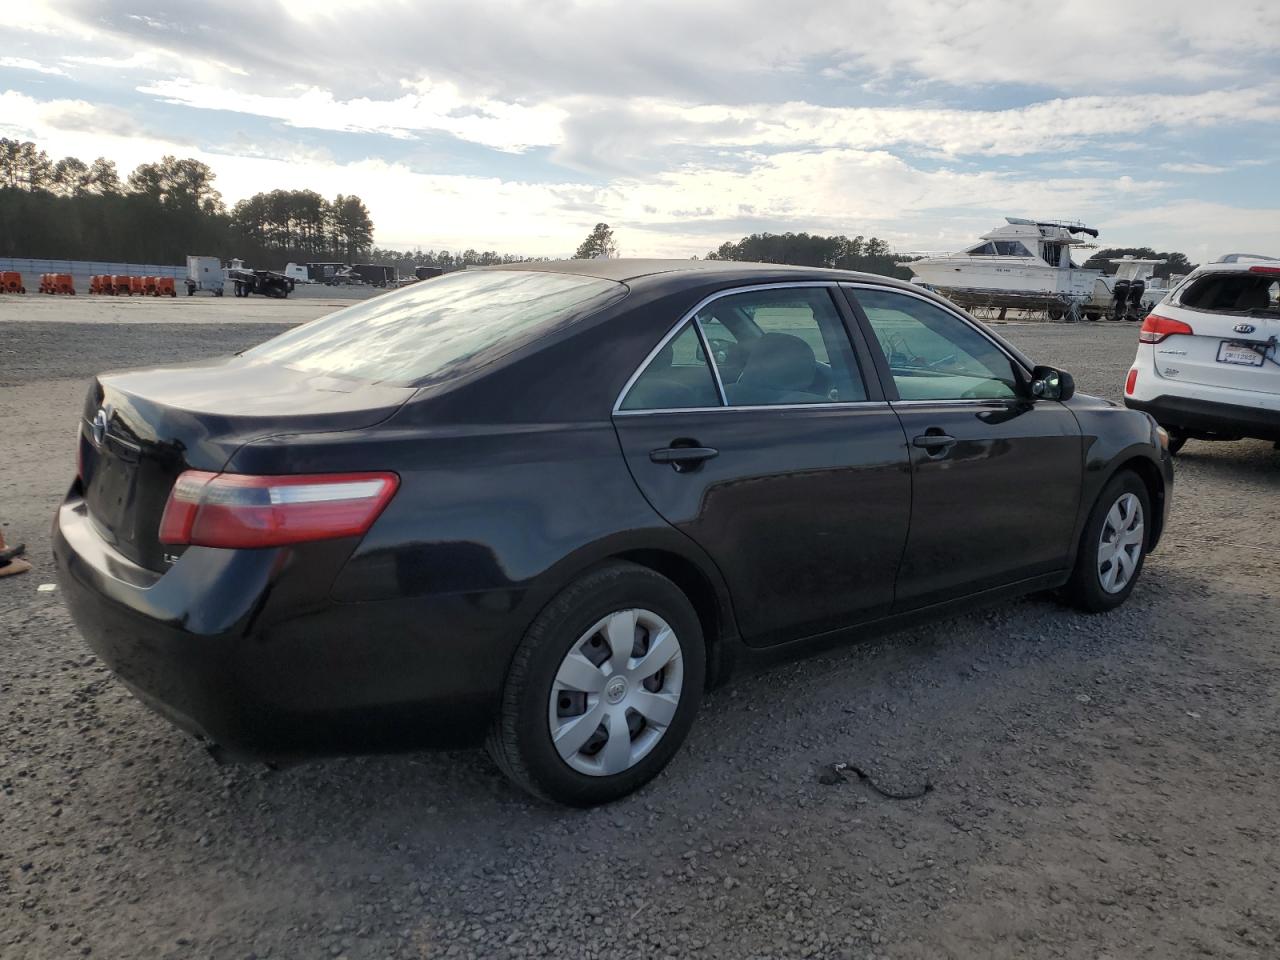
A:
(245, 649)
(1207, 417)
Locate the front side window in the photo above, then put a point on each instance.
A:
(677, 378)
(438, 329)
(781, 346)
(983, 250)
(1011, 248)
(934, 355)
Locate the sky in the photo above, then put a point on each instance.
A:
(515, 126)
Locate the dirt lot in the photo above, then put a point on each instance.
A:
(1105, 787)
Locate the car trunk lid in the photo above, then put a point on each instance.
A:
(141, 430)
(1235, 317)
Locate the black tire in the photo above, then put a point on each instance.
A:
(1085, 590)
(520, 738)
(1056, 314)
(1093, 315)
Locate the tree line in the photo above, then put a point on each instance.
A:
(72, 210)
(868, 254)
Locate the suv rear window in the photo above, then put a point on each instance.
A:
(438, 329)
(1233, 293)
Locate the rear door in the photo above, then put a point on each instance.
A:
(996, 477)
(754, 430)
(1235, 319)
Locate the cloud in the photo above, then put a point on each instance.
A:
(21, 63)
(611, 135)
(37, 119)
(1193, 168)
(1205, 230)
(725, 52)
(431, 106)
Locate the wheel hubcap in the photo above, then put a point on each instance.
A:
(1121, 542)
(616, 692)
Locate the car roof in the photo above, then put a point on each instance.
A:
(1238, 263)
(627, 269)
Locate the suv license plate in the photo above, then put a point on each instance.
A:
(1229, 352)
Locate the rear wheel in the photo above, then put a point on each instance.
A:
(1113, 546)
(603, 688)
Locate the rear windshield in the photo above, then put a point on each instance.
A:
(438, 329)
(1233, 293)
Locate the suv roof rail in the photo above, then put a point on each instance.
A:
(1237, 257)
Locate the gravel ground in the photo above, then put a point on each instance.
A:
(1104, 787)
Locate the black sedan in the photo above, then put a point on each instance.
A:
(544, 506)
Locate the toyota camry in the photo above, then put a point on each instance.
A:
(543, 507)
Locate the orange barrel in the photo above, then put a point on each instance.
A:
(11, 282)
(137, 286)
(120, 284)
(63, 283)
(165, 287)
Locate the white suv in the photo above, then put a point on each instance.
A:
(1207, 365)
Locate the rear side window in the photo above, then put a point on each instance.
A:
(781, 347)
(1233, 293)
(438, 329)
(677, 378)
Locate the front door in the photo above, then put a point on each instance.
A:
(754, 431)
(997, 476)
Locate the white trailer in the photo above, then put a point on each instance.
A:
(204, 273)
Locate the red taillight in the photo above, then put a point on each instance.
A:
(1274, 271)
(236, 510)
(1130, 381)
(1155, 328)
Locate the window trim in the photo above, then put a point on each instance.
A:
(692, 316)
(889, 385)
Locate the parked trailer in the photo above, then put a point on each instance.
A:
(326, 272)
(376, 274)
(204, 273)
(267, 283)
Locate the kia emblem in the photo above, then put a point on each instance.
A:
(1244, 328)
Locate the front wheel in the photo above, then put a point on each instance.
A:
(1113, 546)
(603, 688)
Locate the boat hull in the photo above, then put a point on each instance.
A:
(1018, 275)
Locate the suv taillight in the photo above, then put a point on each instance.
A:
(237, 510)
(1156, 328)
(1274, 271)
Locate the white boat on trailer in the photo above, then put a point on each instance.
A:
(1027, 265)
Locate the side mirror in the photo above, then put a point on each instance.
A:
(1050, 383)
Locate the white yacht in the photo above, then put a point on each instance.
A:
(1024, 259)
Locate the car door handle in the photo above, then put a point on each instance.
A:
(934, 442)
(683, 458)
